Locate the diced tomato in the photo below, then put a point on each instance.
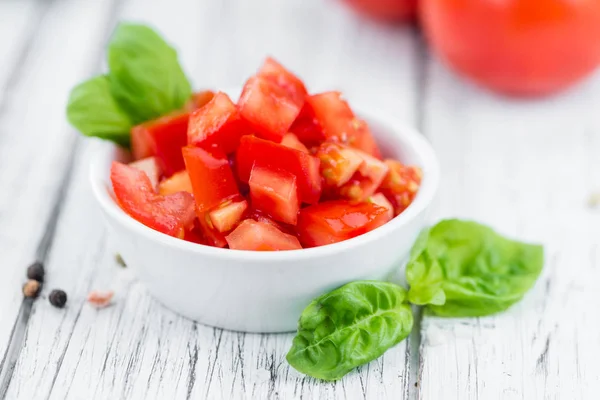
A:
(218, 124)
(151, 166)
(367, 180)
(381, 200)
(195, 234)
(211, 177)
(212, 236)
(163, 138)
(364, 140)
(274, 192)
(260, 236)
(339, 123)
(178, 182)
(277, 157)
(335, 221)
(167, 214)
(338, 163)
(401, 184)
(268, 108)
(198, 100)
(225, 217)
(307, 128)
(271, 69)
(358, 188)
(261, 216)
(290, 140)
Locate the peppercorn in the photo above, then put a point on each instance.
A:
(32, 288)
(58, 298)
(36, 271)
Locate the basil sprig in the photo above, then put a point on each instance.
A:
(465, 269)
(456, 269)
(144, 82)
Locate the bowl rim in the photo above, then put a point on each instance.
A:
(408, 135)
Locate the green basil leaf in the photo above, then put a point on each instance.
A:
(92, 110)
(468, 270)
(348, 327)
(145, 76)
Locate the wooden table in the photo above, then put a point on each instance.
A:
(525, 167)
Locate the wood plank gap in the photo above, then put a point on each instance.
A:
(415, 345)
(19, 330)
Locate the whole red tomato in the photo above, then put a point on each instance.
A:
(390, 10)
(522, 47)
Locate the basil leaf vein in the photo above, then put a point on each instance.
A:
(348, 327)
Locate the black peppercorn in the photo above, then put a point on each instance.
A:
(58, 298)
(36, 271)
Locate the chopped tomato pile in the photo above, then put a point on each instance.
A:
(281, 169)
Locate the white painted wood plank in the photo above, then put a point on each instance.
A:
(34, 139)
(137, 349)
(526, 168)
(17, 25)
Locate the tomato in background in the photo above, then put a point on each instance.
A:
(520, 47)
(388, 10)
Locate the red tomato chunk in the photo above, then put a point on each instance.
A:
(260, 236)
(335, 221)
(276, 72)
(162, 138)
(268, 107)
(218, 124)
(151, 166)
(212, 179)
(339, 123)
(167, 214)
(274, 192)
(277, 157)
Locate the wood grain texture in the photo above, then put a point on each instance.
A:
(526, 168)
(35, 143)
(137, 349)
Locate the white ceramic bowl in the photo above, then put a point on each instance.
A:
(266, 291)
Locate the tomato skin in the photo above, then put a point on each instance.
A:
(199, 100)
(275, 156)
(268, 108)
(306, 127)
(134, 192)
(163, 138)
(211, 177)
(276, 72)
(275, 193)
(387, 10)
(518, 47)
(218, 124)
(339, 124)
(334, 221)
(260, 236)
